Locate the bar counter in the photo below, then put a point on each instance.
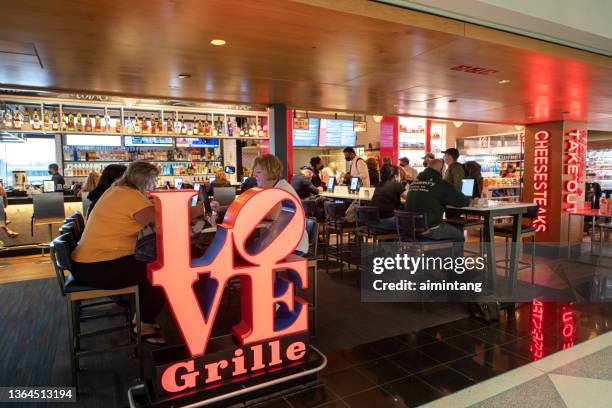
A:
(19, 212)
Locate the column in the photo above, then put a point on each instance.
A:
(281, 136)
(389, 138)
(554, 178)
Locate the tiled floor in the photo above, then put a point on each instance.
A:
(415, 368)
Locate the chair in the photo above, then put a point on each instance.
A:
(336, 223)
(411, 225)
(527, 231)
(48, 210)
(367, 217)
(224, 196)
(310, 208)
(79, 222)
(77, 293)
(312, 228)
(86, 202)
(602, 233)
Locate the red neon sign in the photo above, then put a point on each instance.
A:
(537, 334)
(540, 179)
(574, 152)
(568, 330)
(228, 257)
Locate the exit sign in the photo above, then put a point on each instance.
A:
(474, 70)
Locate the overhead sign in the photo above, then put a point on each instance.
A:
(540, 179)
(273, 329)
(360, 126)
(574, 154)
(300, 123)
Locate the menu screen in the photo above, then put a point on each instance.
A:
(307, 137)
(337, 133)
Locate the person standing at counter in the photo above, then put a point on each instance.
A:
(430, 194)
(104, 257)
(373, 171)
(330, 171)
(357, 167)
(454, 173)
(267, 171)
(110, 173)
(57, 178)
(427, 158)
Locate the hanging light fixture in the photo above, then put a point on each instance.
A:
(457, 124)
(377, 118)
(519, 127)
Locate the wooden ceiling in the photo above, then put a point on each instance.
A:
(312, 54)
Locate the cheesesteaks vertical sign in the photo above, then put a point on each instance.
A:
(540, 179)
(273, 331)
(574, 151)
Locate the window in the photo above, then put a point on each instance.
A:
(32, 156)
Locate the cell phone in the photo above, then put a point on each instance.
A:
(194, 200)
(230, 169)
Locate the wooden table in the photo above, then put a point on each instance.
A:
(489, 212)
(584, 212)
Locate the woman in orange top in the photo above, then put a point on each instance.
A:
(104, 257)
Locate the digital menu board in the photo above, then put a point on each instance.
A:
(307, 137)
(196, 142)
(337, 133)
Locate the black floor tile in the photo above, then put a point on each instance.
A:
(493, 336)
(442, 352)
(412, 391)
(312, 397)
(346, 382)
(442, 332)
(336, 361)
(468, 343)
(382, 371)
(275, 403)
(468, 324)
(502, 359)
(333, 404)
(388, 346)
(445, 379)
(360, 354)
(416, 339)
(376, 397)
(413, 361)
(474, 367)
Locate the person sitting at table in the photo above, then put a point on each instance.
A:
(303, 185)
(267, 171)
(104, 257)
(430, 194)
(388, 196)
(3, 226)
(249, 181)
(110, 173)
(373, 171)
(93, 178)
(219, 181)
(316, 163)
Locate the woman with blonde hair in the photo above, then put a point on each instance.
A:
(220, 181)
(104, 257)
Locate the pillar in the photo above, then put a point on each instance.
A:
(554, 178)
(389, 138)
(281, 136)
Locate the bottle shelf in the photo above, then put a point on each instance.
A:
(173, 135)
(153, 161)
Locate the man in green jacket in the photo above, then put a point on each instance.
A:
(430, 194)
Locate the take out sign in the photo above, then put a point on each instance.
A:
(274, 323)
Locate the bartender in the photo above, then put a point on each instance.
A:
(57, 178)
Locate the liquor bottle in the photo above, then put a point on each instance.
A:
(153, 126)
(242, 128)
(235, 130)
(207, 131)
(260, 131)
(215, 131)
(71, 122)
(46, 123)
(88, 127)
(118, 125)
(160, 126)
(98, 126)
(170, 127)
(8, 119)
(201, 129)
(144, 125)
(79, 122)
(107, 126)
(26, 120)
(183, 126)
(195, 127)
(55, 125)
(137, 128)
(129, 128)
(230, 128)
(35, 120)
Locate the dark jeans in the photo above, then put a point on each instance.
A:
(387, 224)
(120, 273)
(447, 232)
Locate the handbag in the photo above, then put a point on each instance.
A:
(146, 245)
(351, 212)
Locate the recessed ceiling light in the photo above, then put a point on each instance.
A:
(218, 42)
(504, 81)
(452, 100)
(184, 76)
(173, 86)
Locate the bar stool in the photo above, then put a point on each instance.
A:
(336, 223)
(79, 222)
(312, 228)
(48, 210)
(527, 231)
(411, 225)
(86, 203)
(77, 293)
(367, 218)
(310, 208)
(465, 223)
